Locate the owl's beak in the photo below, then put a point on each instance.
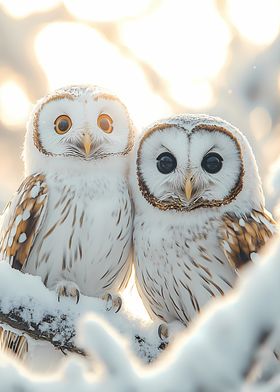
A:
(188, 188)
(87, 143)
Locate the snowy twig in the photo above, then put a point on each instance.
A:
(51, 328)
(34, 310)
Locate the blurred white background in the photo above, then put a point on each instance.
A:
(160, 56)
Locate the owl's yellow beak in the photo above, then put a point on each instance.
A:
(87, 143)
(188, 188)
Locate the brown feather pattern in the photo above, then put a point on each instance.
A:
(18, 250)
(13, 344)
(240, 237)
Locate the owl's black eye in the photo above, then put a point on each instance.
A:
(212, 163)
(166, 163)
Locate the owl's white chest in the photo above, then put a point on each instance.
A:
(86, 235)
(179, 268)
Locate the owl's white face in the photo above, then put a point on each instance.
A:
(81, 124)
(184, 167)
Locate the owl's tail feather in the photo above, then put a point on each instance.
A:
(13, 344)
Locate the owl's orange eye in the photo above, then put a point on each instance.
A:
(62, 124)
(105, 122)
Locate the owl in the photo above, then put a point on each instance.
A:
(70, 221)
(199, 213)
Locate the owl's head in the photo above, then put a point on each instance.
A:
(78, 125)
(194, 162)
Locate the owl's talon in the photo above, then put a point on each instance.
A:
(60, 292)
(163, 332)
(68, 289)
(112, 302)
(118, 304)
(75, 293)
(109, 301)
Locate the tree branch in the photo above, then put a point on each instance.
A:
(33, 310)
(59, 336)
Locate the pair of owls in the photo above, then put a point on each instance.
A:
(198, 210)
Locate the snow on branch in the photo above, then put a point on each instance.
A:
(57, 329)
(218, 353)
(29, 307)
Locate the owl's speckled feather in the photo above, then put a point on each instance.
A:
(188, 249)
(241, 237)
(20, 228)
(72, 231)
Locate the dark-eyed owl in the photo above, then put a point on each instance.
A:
(199, 213)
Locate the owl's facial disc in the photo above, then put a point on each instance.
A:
(183, 170)
(88, 126)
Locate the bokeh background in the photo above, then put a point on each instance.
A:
(160, 56)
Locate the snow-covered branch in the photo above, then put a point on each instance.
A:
(30, 308)
(56, 329)
(218, 353)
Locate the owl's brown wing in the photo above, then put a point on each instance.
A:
(22, 219)
(240, 237)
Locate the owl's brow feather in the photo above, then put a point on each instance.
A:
(210, 149)
(166, 148)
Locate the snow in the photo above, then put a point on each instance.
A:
(217, 353)
(34, 301)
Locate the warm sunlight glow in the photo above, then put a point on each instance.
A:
(105, 10)
(133, 302)
(23, 8)
(178, 49)
(79, 54)
(14, 104)
(257, 21)
(134, 305)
